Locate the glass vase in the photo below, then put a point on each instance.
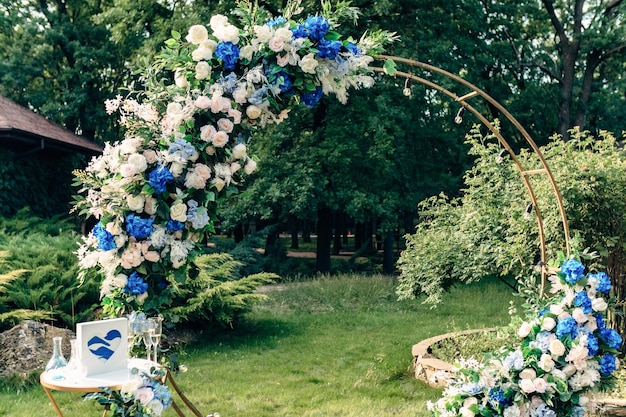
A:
(74, 370)
(57, 360)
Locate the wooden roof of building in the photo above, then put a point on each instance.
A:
(28, 131)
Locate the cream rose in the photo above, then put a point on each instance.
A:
(144, 395)
(193, 180)
(150, 155)
(197, 34)
(276, 44)
(284, 34)
(180, 79)
(250, 166)
(203, 170)
(127, 170)
(218, 183)
(557, 347)
(247, 52)
(234, 167)
(263, 33)
(528, 373)
(524, 329)
(598, 304)
(546, 363)
(239, 151)
(178, 211)
(150, 207)
(579, 315)
(207, 132)
(135, 202)
(220, 139)
(253, 112)
(217, 21)
(548, 323)
(527, 386)
(236, 115)
(540, 385)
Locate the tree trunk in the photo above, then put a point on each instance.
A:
(272, 237)
(324, 237)
(338, 230)
(293, 229)
(306, 231)
(238, 233)
(389, 261)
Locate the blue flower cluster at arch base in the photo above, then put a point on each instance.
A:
(565, 351)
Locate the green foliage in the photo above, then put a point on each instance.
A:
(218, 294)
(491, 231)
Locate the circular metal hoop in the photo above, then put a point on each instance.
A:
(525, 173)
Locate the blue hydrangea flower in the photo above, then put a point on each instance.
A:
(159, 177)
(498, 398)
(607, 364)
(600, 321)
(578, 411)
(603, 280)
(543, 410)
(138, 227)
(472, 388)
(182, 147)
(228, 83)
(592, 345)
(299, 32)
(105, 239)
(279, 21)
(282, 80)
(328, 49)
(174, 225)
(316, 27)
(567, 327)
(573, 270)
(199, 218)
(611, 338)
(228, 52)
(310, 98)
(258, 97)
(352, 48)
(162, 394)
(583, 301)
(135, 284)
(515, 360)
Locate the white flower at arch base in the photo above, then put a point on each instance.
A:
(186, 145)
(565, 351)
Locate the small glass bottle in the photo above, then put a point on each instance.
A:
(57, 360)
(74, 369)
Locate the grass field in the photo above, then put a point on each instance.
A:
(336, 346)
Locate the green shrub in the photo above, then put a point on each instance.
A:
(490, 230)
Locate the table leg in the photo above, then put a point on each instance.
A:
(54, 403)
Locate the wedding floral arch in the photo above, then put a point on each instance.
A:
(157, 191)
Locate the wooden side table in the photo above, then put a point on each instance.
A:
(112, 380)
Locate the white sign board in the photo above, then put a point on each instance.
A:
(102, 345)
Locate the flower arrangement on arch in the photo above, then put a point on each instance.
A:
(565, 352)
(144, 395)
(156, 192)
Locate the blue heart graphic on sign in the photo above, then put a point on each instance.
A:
(104, 348)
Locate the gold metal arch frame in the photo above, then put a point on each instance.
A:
(471, 93)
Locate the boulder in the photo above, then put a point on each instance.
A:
(26, 348)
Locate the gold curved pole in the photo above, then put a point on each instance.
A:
(475, 91)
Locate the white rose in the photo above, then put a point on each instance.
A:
(204, 51)
(138, 161)
(234, 167)
(556, 309)
(540, 385)
(240, 95)
(202, 170)
(527, 386)
(598, 304)
(207, 132)
(180, 79)
(150, 155)
(135, 202)
(569, 370)
(131, 385)
(220, 104)
(203, 102)
(557, 347)
(546, 363)
(579, 315)
(193, 180)
(144, 395)
(174, 109)
(250, 166)
(127, 170)
(197, 34)
(114, 228)
(203, 70)
(217, 21)
(524, 329)
(276, 44)
(156, 407)
(308, 63)
(239, 151)
(220, 139)
(548, 323)
(263, 33)
(178, 211)
(120, 280)
(236, 115)
(253, 112)
(466, 412)
(228, 33)
(284, 34)
(225, 125)
(247, 52)
(528, 373)
(176, 169)
(150, 206)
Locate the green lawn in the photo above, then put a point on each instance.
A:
(330, 347)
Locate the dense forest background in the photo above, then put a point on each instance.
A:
(363, 166)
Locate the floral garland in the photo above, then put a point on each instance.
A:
(142, 396)
(156, 192)
(565, 352)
